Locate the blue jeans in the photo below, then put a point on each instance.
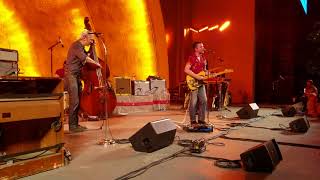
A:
(199, 94)
(74, 89)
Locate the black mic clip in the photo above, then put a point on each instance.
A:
(60, 42)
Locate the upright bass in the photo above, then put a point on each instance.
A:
(97, 97)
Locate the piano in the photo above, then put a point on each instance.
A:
(31, 125)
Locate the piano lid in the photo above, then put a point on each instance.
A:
(20, 86)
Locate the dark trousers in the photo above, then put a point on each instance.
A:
(74, 87)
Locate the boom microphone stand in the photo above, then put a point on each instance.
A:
(51, 52)
(105, 141)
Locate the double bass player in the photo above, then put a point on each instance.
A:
(77, 58)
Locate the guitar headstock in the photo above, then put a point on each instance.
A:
(87, 25)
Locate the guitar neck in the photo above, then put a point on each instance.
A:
(214, 75)
(220, 73)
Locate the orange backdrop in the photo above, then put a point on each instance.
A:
(234, 47)
(133, 31)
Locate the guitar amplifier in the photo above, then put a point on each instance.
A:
(8, 62)
(122, 85)
(157, 85)
(140, 88)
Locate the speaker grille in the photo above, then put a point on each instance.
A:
(249, 111)
(263, 157)
(300, 125)
(289, 111)
(154, 136)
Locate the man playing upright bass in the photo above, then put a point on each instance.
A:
(76, 58)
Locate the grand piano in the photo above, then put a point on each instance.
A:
(31, 125)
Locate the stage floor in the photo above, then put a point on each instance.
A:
(92, 161)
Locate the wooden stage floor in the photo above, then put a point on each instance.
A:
(92, 161)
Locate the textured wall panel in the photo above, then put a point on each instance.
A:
(40, 24)
(133, 49)
(234, 47)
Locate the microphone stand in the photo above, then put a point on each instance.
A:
(105, 141)
(51, 54)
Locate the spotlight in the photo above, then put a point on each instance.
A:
(185, 31)
(167, 38)
(203, 29)
(193, 30)
(224, 26)
(213, 27)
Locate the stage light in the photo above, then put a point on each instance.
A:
(213, 27)
(77, 22)
(193, 30)
(185, 31)
(304, 4)
(138, 21)
(203, 29)
(167, 38)
(224, 26)
(15, 36)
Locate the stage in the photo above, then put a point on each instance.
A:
(133, 59)
(92, 161)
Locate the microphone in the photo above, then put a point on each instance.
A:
(60, 41)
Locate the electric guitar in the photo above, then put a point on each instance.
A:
(194, 84)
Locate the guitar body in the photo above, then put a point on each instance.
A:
(194, 84)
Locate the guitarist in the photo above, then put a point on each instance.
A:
(195, 64)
